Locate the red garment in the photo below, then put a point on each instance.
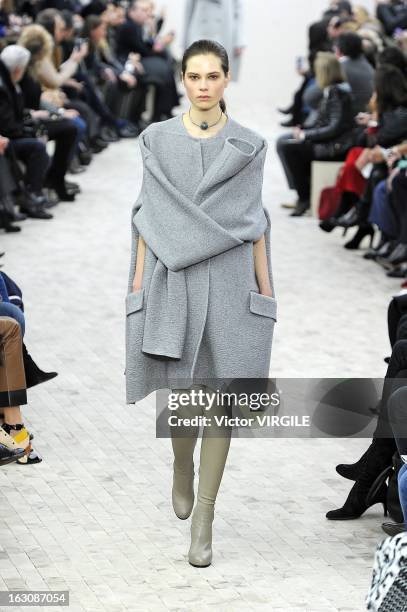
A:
(349, 178)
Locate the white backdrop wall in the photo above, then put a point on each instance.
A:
(277, 32)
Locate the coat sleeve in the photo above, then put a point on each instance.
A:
(10, 127)
(393, 129)
(49, 76)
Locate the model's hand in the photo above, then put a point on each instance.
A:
(266, 291)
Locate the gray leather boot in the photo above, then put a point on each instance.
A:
(200, 551)
(183, 491)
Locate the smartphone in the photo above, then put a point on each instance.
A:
(300, 63)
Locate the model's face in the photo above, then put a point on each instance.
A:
(205, 81)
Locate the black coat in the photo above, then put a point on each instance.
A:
(392, 128)
(129, 39)
(334, 130)
(11, 106)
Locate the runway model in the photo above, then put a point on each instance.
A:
(200, 303)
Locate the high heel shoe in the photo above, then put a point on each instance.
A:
(183, 491)
(286, 111)
(363, 231)
(20, 440)
(356, 504)
(351, 471)
(200, 551)
(379, 447)
(33, 374)
(370, 487)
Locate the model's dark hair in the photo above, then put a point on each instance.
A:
(205, 47)
(391, 88)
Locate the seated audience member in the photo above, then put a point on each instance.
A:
(380, 452)
(308, 97)
(7, 187)
(154, 59)
(50, 71)
(58, 122)
(398, 419)
(30, 150)
(15, 309)
(385, 128)
(359, 73)
(392, 15)
(330, 138)
(106, 70)
(339, 8)
(394, 212)
(13, 433)
(395, 57)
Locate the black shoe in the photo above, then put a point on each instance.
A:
(301, 208)
(9, 455)
(355, 504)
(370, 487)
(129, 131)
(363, 231)
(399, 255)
(72, 187)
(288, 124)
(64, 195)
(286, 111)
(109, 134)
(17, 216)
(400, 272)
(35, 212)
(350, 219)
(76, 167)
(6, 223)
(33, 374)
(84, 156)
(33, 199)
(98, 145)
(327, 225)
(393, 529)
(351, 471)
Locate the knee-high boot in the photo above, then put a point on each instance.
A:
(183, 444)
(214, 452)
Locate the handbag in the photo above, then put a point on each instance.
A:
(328, 202)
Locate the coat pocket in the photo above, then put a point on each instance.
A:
(263, 305)
(134, 301)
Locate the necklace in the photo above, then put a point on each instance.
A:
(204, 125)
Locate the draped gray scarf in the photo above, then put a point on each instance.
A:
(225, 211)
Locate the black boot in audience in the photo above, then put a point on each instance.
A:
(33, 374)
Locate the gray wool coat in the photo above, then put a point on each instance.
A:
(199, 314)
(219, 20)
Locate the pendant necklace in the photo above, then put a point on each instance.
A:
(204, 125)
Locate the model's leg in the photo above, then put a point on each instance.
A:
(184, 440)
(214, 451)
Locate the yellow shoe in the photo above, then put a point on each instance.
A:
(20, 440)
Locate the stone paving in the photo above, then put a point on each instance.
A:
(95, 517)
